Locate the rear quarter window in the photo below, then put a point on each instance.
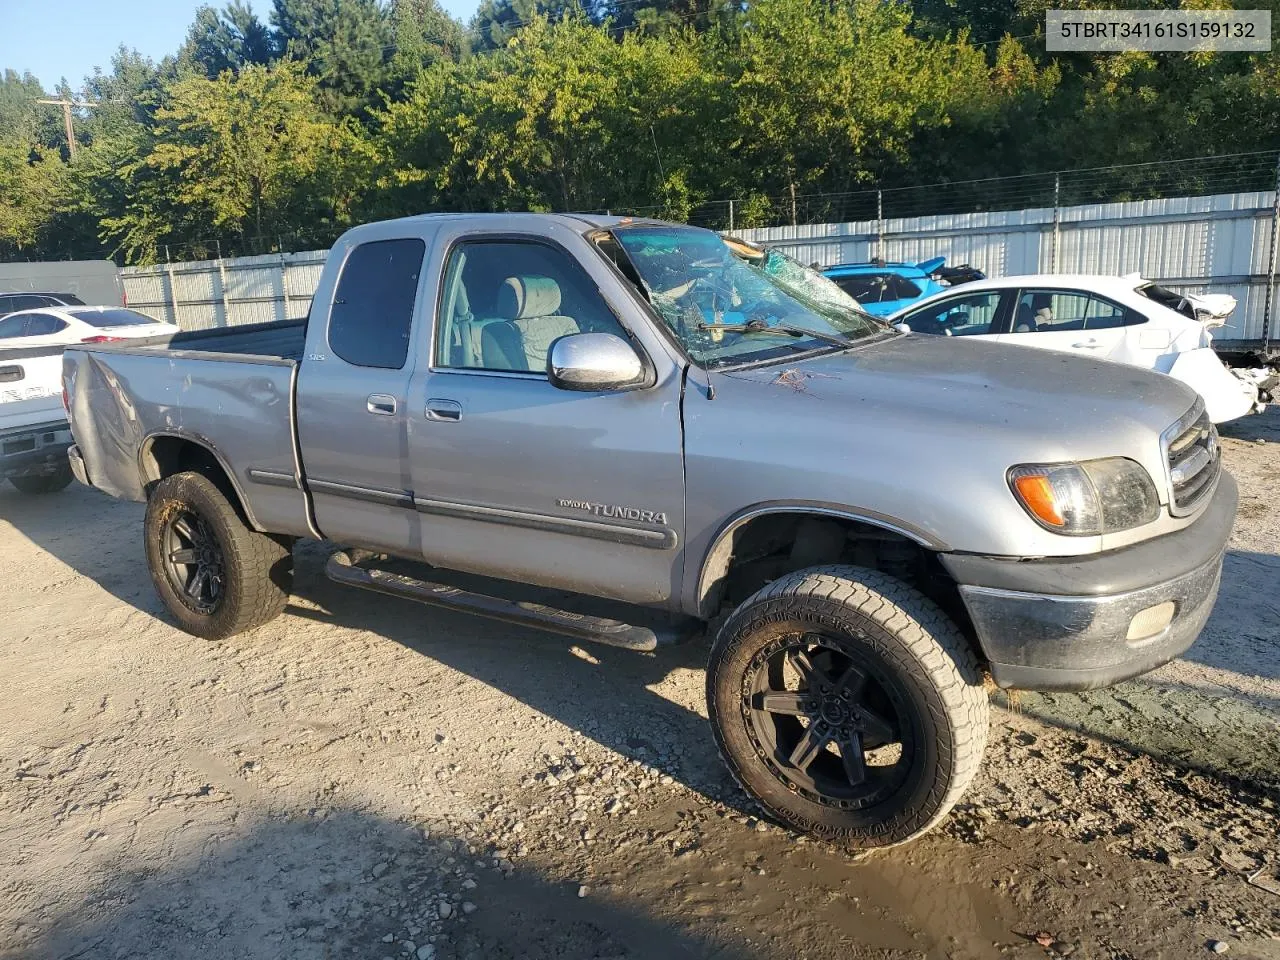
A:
(372, 314)
(900, 288)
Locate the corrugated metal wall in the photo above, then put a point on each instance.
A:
(1221, 243)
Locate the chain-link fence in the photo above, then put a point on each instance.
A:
(255, 245)
(1196, 176)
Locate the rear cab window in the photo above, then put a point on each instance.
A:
(372, 315)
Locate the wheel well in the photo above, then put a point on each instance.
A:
(775, 544)
(165, 456)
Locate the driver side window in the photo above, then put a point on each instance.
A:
(966, 316)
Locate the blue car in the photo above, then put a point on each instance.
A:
(885, 288)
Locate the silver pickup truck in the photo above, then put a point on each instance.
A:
(701, 432)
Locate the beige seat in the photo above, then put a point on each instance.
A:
(528, 325)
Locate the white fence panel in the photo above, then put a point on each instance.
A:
(201, 295)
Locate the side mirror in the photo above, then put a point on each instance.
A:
(593, 362)
(902, 328)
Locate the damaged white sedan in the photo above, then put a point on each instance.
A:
(1124, 319)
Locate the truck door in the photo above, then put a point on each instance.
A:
(352, 396)
(518, 479)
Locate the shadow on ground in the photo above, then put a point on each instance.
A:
(350, 885)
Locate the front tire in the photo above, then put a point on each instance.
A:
(216, 575)
(43, 483)
(848, 705)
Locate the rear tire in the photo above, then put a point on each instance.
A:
(216, 575)
(45, 482)
(848, 705)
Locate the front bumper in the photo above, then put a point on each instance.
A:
(35, 450)
(1066, 623)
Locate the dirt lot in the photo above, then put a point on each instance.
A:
(366, 778)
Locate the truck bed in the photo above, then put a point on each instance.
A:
(278, 340)
(139, 406)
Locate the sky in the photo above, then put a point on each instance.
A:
(68, 38)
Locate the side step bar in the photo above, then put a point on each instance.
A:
(343, 567)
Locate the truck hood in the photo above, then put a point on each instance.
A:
(976, 386)
(921, 431)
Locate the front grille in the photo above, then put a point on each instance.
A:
(1195, 459)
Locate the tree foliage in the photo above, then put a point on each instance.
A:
(282, 126)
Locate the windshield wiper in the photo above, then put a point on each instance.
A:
(759, 326)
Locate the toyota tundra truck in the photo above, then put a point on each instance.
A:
(870, 524)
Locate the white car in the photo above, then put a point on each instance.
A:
(1124, 319)
(61, 325)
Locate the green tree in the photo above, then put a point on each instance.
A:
(496, 22)
(828, 98)
(240, 156)
(346, 44)
(562, 118)
(228, 40)
(423, 33)
(32, 189)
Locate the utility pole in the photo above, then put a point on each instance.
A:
(66, 106)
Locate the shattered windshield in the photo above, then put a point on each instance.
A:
(731, 303)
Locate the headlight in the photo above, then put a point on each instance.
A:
(1086, 499)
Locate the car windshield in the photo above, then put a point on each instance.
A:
(730, 303)
(117, 317)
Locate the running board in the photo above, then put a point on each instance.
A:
(343, 567)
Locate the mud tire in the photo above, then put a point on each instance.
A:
(901, 636)
(257, 569)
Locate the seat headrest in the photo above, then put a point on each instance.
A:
(520, 298)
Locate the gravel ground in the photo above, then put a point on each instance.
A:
(367, 778)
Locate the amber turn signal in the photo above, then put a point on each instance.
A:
(1036, 493)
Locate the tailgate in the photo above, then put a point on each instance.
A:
(30, 387)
